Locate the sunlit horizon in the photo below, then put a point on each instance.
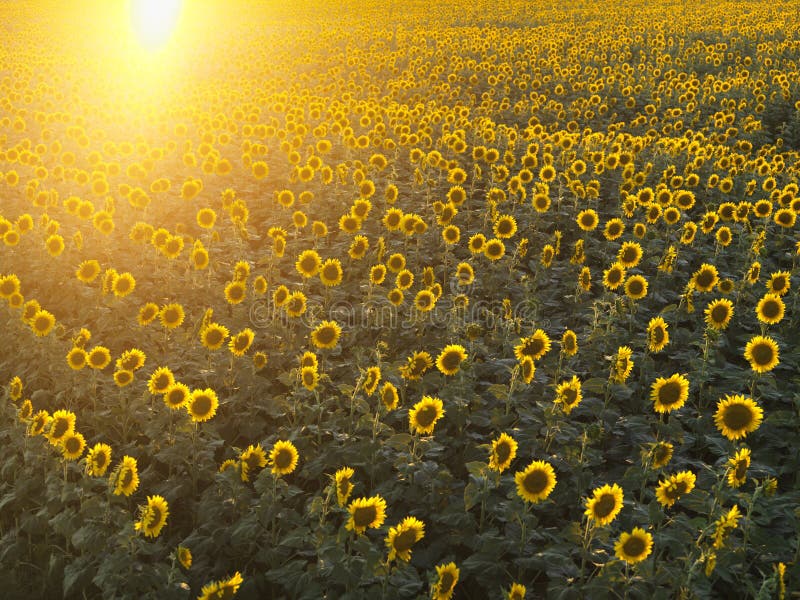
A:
(154, 21)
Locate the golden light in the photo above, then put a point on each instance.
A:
(153, 21)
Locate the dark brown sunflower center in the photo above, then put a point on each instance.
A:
(705, 279)
(494, 249)
(127, 478)
(343, 486)
(201, 405)
(719, 314)
(155, 515)
(330, 272)
(629, 255)
(763, 354)
(741, 469)
(214, 337)
(614, 276)
(669, 393)
(60, 427)
(41, 324)
(502, 452)
(424, 300)
(737, 417)
(570, 395)
(236, 292)
(504, 227)
(404, 540)
(447, 582)
(771, 309)
(451, 360)
(308, 264)
(175, 397)
(326, 335)
(426, 416)
(283, 459)
(634, 546)
(171, 315)
(535, 482)
(779, 284)
(658, 335)
(635, 287)
(100, 460)
(364, 515)
(604, 506)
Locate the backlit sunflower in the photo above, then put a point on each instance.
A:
(535, 346)
(762, 353)
(423, 416)
(147, 313)
(202, 404)
(446, 580)
(62, 423)
(494, 249)
(308, 263)
(251, 460)
(371, 380)
(366, 513)
(177, 395)
(669, 393)
(125, 478)
(657, 334)
(76, 358)
(88, 271)
(152, 516)
(358, 247)
(502, 453)
(536, 482)
(718, 313)
(505, 226)
(635, 546)
(326, 334)
(295, 304)
(43, 322)
(283, 458)
(449, 360)
(235, 292)
(673, 487)
(330, 272)
(97, 460)
(604, 505)
(737, 467)
(737, 416)
(171, 315)
(416, 365)
(213, 336)
(402, 537)
(770, 309)
(240, 343)
(568, 394)
(389, 396)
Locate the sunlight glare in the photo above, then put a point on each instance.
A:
(153, 21)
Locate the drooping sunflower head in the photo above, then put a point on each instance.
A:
(389, 396)
(660, 454)
(535, 346)
(657, 334)
(447, 578)
(673, 487)
(568, 394)
(737, 467)
(344, 486)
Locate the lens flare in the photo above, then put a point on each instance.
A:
(153, 21)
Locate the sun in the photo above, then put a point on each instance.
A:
(153, 21)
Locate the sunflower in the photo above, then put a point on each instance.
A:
(449, 360)
(636, 287)
(235, 292)
(254, 457)
(503, 451)
(153, 516)
(330, 272)
(494, 249)
(669, 393)
(725, 524)
(416, 365)
(389, 396)
(477, 243)
(171, 315)
(762, 353)
(184, 556)
(424, 301)
(371, 380)
(623, 364)
(326, 334)
(661, 454)
(97, 460)
(423, 416)
(737, 416)
(76, 358)
(446, 579)
(206, 217)
(395, 296)
(614, 276)
(753, 273)
(568, 394)
(123, 377)
(629, 254)
(62, 423)
(587, 219)
(309, 377)
(43, 322)
(39, 423)
(613, 229)
(465, 274)
(25, 410)
(344, 486)
(366, 513)
(125, 478)
(88, 271)
(516, 592)
(674, 487)
(177, 395)
(404, 279)
(718, 313)
(770, 309)
(213, 336)
(147, 313)
(308, 263)
(295, 304)
(505, 226)
(536, 482)
(779, 283)
(635, 546)
(358, 247)
(737, 467)
(657, 334)
(280, 296)
(402, 537)
(240, 343)
(705, 278)
(202, 404)
(604, 505)
(535, 346)
(377, 274)
(283, 458)
(527, 369)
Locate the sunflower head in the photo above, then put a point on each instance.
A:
(605, 504)
(536, 482)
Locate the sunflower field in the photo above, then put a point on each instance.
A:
(408, 300)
